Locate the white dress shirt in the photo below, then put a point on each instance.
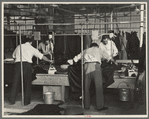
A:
(92, 54)
(28, 52)
(109, 48)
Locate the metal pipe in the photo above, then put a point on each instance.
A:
(66, 17)
(141, 25)
(53, 46)
(111, 20)
(105, 20)
(73, 30)
(37, 48)
(118, 8)
(130, 20)
(69, 11)
(9, 34)
(70, 34)
(82, 65)
(74, 34)
(123, 22)
(22, 85)
(79, 34)
(111, 29)
(16, 39)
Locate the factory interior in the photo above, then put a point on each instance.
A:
(57, 88)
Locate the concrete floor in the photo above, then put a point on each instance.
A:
(73, 107)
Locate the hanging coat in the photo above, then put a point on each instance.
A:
(123, 42)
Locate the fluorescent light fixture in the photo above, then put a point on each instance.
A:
(55, 5)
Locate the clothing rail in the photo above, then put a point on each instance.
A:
(58, 34)
(22, 35)
(82, 62)
(68, 34)
(79, 34)
(127, 61)
(9, 34)
(84, 29)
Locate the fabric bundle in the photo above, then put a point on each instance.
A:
(44, 109)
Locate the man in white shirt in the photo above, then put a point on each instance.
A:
(108, 46)
(46, 47)
(92, 72)
(108, 68)
(27, 53)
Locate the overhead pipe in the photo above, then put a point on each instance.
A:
(132, 5)
(123, 22)
(72, 30)
(82, 61)
(111, 20)
(111, 29)
(69, 11)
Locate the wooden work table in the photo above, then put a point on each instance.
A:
(59, 83)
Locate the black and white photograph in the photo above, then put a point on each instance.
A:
(74, 59)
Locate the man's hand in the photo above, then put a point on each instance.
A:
(70, 61)
(116, 63)
(50, 53)
(47, 60)
(51, 61)
(112, 60)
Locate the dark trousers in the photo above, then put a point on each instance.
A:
(16, 84)
(92, 72)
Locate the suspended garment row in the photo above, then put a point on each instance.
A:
(127, 45)
(67, 46)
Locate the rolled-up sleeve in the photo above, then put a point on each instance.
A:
(38, 54)
(105, 55)
(14, 53)
(77, 58)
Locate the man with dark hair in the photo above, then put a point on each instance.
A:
(92, 72)
(108, 68)
(108, 46)
(28, 51)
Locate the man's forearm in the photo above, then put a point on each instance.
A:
(45, 53)
(77, 58)
(46, 59)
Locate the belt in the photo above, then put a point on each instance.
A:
(92, 62)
